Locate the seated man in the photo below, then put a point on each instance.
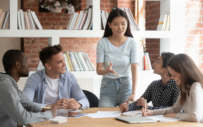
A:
(54, 86)
(15, 107)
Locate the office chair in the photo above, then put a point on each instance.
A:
(93, 100)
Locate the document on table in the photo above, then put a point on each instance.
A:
(161, 118)
(133, 113)
(105, 114)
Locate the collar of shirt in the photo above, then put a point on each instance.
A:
(61, 76)
(170, 83)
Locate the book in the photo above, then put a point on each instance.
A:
(69, 22)
(5, 20)
(73, 60)
(70, 63)
(79, 20)
(78, 61)
(32, 21)
(162, 22)
(65, 59)
(22, 19)
(36, 20)
(76, 21)
(81, 61)
(1, 10)
(83, 20)
(86, 61)
(103, 17)
(133, 20)
(90, 63)
(27, 24)
(91, 19)
(149, 66)
(19, 21)
(73, 21)
(167, 23)
(87, 22)
(2, 19)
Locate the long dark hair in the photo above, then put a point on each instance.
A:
(116, 13)
(190, 73)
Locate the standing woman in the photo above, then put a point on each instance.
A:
(190, 80)
(117, 61)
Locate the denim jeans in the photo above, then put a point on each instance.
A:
(114, 92)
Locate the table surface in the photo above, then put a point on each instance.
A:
(111, 122)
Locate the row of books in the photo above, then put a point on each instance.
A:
(75, 61)
(104, 17)
(133, 24)
(81, 20)
(3, 18)
(78, 61)
(144, 62)
(28, 20)
(164, 23)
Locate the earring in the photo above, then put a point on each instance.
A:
(165, 75)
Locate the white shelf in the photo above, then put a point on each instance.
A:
(77, 33)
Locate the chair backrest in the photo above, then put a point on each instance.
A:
(93, 100)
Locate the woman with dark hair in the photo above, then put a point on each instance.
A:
(190, 81)
(163, 93)
(117, 58)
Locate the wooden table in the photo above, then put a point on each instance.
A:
(111, 122)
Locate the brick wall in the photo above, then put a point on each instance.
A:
(194, 31)
(152, 19)
(128, 4)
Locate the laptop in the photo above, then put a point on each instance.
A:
(135, 119)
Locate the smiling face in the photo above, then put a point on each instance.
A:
(118, 26)
(57, 64)
(175, 75)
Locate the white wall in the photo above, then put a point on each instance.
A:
(8, 43)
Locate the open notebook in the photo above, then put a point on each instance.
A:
(150, 119)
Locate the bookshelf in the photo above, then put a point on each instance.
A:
(173, 40)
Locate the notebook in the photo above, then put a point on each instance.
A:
(135, 119)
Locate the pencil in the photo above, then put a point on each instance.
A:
(145, 106)
(130, 103)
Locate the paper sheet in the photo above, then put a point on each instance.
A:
(105, 114)
(133, 113)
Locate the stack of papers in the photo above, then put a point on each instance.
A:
(105, 114)
(133, 113)
(58, 120)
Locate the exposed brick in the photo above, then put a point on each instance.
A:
(53, 19)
